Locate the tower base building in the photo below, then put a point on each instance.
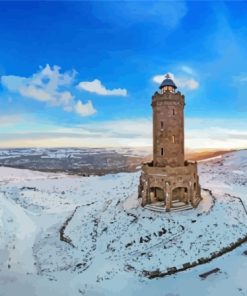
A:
(169, 181)
(171, 187)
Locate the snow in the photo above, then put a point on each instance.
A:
(17, 175)
(23, 230)
(113, 239)
(72, 152)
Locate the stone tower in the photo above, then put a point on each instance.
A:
(168, 125)
(169, 181)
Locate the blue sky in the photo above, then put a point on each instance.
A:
(83, 73)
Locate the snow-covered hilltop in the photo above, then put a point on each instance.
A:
(89, 236)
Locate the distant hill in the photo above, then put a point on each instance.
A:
(200, 155)
(87, 161)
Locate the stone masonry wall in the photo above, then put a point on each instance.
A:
(168, 129)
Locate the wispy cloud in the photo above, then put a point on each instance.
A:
(51, 86)
(215, 133)
(10, 120)
(187, 69)
(182, 82)
(97, 87)
(240, 84)
(242, 78)
(199, 133)
(136, 132)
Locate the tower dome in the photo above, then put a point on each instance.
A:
(168, 84)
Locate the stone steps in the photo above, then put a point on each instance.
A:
(179, 206)
(155, 208)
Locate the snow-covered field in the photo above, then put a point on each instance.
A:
(108, 240)
(79, 161)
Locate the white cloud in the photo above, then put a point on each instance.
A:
(51, 86)
(159, 78)
(187, 83)
(12, 82)
(86, 109)
(97, 87)
(47, 85)
(181, 82)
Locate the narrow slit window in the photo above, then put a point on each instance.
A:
(173, 111)
(162, 124)
(173, 139)
(162, 151)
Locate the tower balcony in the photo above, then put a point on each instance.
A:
(188, 167)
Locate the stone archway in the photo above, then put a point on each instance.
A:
(180, 194)
(157, 194)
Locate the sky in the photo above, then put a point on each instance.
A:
(82, 74)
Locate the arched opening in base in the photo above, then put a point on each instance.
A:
(157, 195)
(179, 196)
